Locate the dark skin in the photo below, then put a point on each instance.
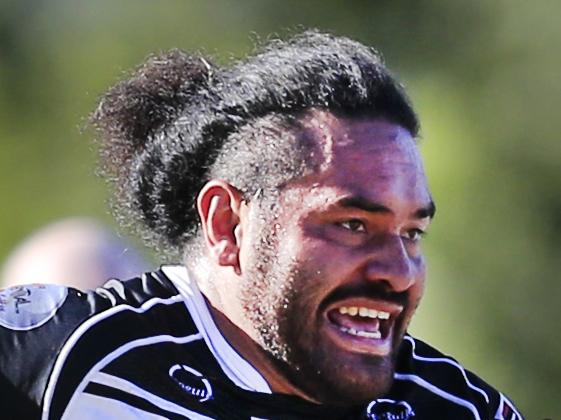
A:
(345, 240)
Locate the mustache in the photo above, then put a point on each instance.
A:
(373, 290)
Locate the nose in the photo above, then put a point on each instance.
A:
(389, 262)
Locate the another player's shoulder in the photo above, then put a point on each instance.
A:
(443, 376)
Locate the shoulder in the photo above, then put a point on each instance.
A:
(47, 329)
(442, 377)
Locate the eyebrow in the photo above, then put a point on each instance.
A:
(364, 204)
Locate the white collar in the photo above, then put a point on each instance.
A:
(239, 370)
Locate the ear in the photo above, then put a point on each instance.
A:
(219, 205)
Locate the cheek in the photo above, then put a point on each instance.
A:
(319, 270)
(328, 260)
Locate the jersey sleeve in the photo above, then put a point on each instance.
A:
(35, 321)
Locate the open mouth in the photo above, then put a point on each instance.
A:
(363, 325)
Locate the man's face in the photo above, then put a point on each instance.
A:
(333, 270)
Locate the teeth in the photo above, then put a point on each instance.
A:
(369, 334)
(360, 333)
(363, 312)
(373, 313)
(383, 315)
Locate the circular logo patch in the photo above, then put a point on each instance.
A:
(27, 307)
(386, 409)
(191, 381)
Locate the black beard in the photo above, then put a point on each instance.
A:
(278, 303)
(323, 372)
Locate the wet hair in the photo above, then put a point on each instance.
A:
(180, 121)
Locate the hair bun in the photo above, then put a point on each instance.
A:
(134, 109)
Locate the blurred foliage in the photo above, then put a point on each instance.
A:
(483, 74)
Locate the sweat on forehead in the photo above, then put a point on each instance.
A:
(330, 136)
(363, 163)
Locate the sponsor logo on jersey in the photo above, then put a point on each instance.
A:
(30, 306)
(191, 381)
(386, 409)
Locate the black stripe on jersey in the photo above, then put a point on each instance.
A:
(431, 401)
(194, 354)
(106, 336)
(135, 401)
(443, 376)
(435, 357)
(106, 331)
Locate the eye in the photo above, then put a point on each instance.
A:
(414, 235)
(353, 225)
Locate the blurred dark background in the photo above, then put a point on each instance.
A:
(484, 75)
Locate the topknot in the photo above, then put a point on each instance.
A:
(134, 110)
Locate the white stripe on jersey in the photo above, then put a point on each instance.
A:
(97, 407)
(94, 407)
(141, 342)
(499, 414)
(519, 416)
(448, 361)
(71, 342)
(239, 370)
(435, 390)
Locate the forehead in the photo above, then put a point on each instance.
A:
(370, 157)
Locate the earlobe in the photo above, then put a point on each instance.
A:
(227, 255)
(219, 206)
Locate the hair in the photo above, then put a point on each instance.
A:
(179, 121)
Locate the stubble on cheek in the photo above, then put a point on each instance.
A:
(278, 299)
(261, 304)
(266, 291)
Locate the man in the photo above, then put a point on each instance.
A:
(292, 183)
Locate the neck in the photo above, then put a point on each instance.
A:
(255, 355)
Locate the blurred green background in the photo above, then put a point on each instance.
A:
(486, 79)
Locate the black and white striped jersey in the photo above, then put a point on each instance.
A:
(148, 349)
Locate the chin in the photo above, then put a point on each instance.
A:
(333, 376)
